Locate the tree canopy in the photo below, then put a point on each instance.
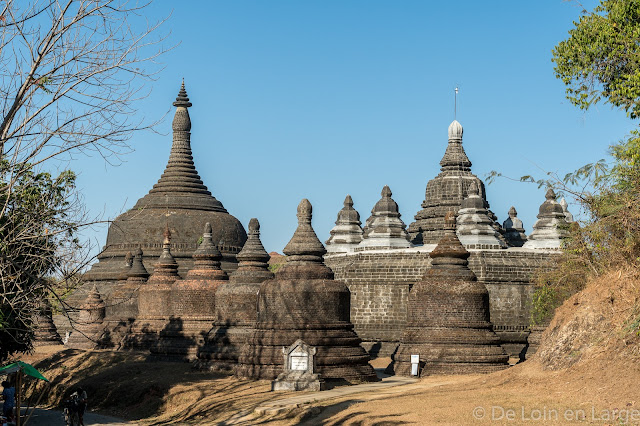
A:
(601, 58)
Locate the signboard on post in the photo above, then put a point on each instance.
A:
(415, 365)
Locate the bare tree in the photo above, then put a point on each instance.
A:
(71, 72)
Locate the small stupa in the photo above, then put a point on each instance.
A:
(474, 226)
(154, 299)
(123, 305)
(193, 302)
(565, 208)
(304, 302)
(551, 227)
(347, 233)
(45, 332)
(122, 309)
(236, 306)
(514, 229)
(448, 317)
(384, 228)
(90, 326)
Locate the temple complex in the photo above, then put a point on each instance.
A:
(448, 317)
(380, 278)
(375, 291)
(236, 307)
(304, 302)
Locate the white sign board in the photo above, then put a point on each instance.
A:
(414, 369)
(415, 359)
(298, 360)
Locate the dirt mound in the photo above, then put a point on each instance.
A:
(126, 385)
(603, 320)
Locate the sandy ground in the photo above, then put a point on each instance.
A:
(526, 393)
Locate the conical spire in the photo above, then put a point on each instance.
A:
(454, 157)
(207, 259)
(551, 226)
(128, 262)
(253, 251)
(475, 225)
(384, 228)
(450, 256)
(137, 268)
(347, 233)
(565, 209)
(449, 251)
(180, 177)
(182, 100)
(514, 229)
(304, 245)
(166, 265)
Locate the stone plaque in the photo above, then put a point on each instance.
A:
(299, 366)
(299, 360)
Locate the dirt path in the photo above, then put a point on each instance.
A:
(43, 417)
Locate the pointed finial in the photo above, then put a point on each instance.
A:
(513, 212)
(182, 100)
(304, 211)
(455, 130)
(137, 268)
(348, 202)
(128, 259)
(386, 192)
(564, 204)
(305, 242)
(254, 226)
(550, 195)
(450, 221)
(166, 234)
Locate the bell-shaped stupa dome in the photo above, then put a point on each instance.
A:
(182, 200)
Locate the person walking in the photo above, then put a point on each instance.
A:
(9, 397)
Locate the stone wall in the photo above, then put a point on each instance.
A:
(380, 282)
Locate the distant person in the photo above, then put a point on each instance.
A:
(81, 396)
(9, 397)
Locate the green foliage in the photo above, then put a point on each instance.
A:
(273, 267)
(35, 227)
(600, 61)
(601, 58)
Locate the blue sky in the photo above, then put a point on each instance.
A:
(319, 99)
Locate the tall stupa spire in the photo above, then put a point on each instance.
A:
(180, 178)
(454, 157)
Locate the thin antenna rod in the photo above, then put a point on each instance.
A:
(455, 102)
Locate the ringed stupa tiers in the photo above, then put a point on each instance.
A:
(446, 191)
(303, 301)
(182, 200)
